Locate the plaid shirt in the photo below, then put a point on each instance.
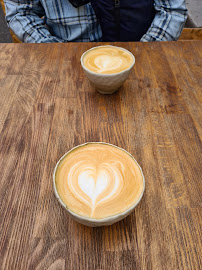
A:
(37, 21)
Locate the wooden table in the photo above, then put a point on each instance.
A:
(47, 106)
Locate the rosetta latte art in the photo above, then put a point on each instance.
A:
(98, 180)
(107, 60)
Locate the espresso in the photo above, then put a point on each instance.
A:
(107, 60)
(98, 180)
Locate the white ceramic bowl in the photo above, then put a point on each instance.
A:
(107, 83)
(91, 222)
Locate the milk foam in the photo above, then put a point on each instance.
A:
(107, 60)
(92, 187)
(107, 63)
(99, 184)
(98, 181)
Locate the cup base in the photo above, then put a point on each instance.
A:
(108, 92)
(107, 89)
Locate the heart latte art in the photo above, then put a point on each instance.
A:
(107, 60)
(98, 180)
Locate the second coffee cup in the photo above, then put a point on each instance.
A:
(107, 67)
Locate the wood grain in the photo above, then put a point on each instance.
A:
(47, 106)
(191, 34)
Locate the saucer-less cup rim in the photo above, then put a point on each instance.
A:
(106, 74)
(89, 220)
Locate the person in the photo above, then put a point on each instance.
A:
(42, 21)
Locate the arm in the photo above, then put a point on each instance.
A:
(24, 18)
(168, 22)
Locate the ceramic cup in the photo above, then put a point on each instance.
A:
(91, 222)
(107, 83)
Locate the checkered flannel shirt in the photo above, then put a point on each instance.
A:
(41, 21)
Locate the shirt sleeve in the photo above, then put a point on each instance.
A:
(25, 19)
(168, 22)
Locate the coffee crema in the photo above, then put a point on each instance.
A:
(98, 180)
(107, 60)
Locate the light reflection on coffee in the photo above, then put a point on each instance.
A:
(98, 180)
(107, 60)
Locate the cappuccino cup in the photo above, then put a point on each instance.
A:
(98, 183)
(107, 67)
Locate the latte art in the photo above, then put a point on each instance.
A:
(98, 180)
(107, 60)
(94, 184)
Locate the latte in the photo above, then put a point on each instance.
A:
(107, 60)
(98, 180)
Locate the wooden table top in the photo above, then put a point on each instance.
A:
(47, 106)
